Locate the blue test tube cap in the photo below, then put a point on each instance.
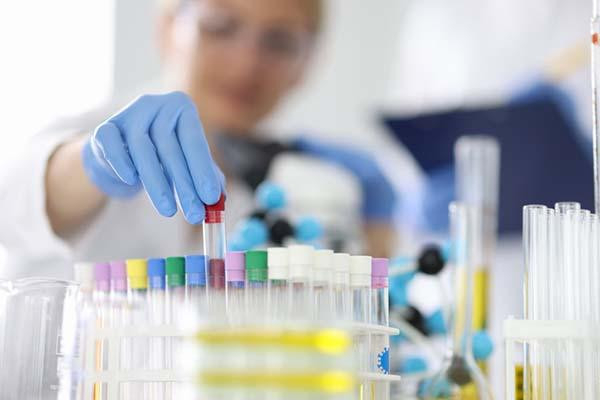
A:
(156, 273)
(308, 229)
(270, 196)
(195, 270)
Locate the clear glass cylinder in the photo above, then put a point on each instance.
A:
(460, 377)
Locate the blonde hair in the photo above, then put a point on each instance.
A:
(314, 11)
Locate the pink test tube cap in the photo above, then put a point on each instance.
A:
(235, 266)
(118, 276)
(379, 273)
(102, 276)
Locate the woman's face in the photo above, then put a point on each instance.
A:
(237, 58)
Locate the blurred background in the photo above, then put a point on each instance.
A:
(401, 78)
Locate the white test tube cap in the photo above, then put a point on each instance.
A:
(278, 263)
(323, 265)
(302, 258)
(341, 262)
(84, 275)
(360, 271)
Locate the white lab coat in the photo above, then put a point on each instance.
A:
(123, 228)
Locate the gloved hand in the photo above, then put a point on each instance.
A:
(156, 143)
(379, 198)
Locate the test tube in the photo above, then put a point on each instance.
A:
(84, 275)
(380, 343)
(235, 271)
(300, 286)
(322, 285)
(137, 295)
(100, 298)
(157, 304)
(215, 247)
(278, 271)
(360, 285)
(195, 283)
(256, 283)
(341, 286)
(118, 313)
(118, 292)
(175, 304)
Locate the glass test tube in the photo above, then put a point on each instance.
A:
(157, 308)
(195, 284)
(360, 286)
(101, 298)
(256, 284)
(84, 275)
(137, 296)
(215, 246)
(477, 160)
(278, 272)
(235, 275)
(300, 286)
(322, 285)
(118, 311)
(175, 305)
(380, 343)
(380, 313)
(341, 286)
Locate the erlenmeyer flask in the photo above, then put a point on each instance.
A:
(459, 377)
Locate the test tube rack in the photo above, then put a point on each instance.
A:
(518, 332)
(112, 376)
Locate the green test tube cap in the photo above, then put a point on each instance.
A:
(175, 271)
(256, 265)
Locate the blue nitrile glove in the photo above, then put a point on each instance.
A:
(157, 143)
(379, 198)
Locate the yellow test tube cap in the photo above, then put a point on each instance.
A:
(137, 272)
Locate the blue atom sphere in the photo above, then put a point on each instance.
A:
(308, 229)
(253, 232)
(413, 365)
(435, 323)
(482, 345)
(270, 196)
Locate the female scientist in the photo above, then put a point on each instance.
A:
(100, 190)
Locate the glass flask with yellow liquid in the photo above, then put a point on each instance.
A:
(459, 377)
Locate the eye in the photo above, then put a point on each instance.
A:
(218, 24)
(281, 41)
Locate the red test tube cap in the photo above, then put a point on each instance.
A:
(214, 212)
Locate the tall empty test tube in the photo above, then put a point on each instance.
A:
(279, 272)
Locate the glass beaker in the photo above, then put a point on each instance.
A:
(40, 337)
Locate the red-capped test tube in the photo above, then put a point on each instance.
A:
(215, 246)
